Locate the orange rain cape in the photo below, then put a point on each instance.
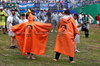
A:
(67, 30)
(31, 36)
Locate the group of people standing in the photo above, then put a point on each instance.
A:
(31, 31)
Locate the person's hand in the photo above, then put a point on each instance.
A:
(79, 25)
(8, 30)
(82, 23)
(2, 15)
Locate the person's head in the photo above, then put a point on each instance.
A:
(54, 12)
(1, 9)
(71, 13)
(23, 16)
(84, 14)
(41, 11)
(44, 10)
(30, 17)
(75, 16)
(88, 15)
(67, 12)
(13, 12)
(33, 12)
(16, 10)
(7, 7)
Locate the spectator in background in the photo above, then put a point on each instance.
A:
(58, 5)
(85, 26)
(41, 15)
(60, 14)
(2, 19)
(71, 15)
(97, 20)
(49, 16)
(77, 37)
(45, 12)
(40, 20)
(8, 14)
(23, 19)
(80, 17)
(91, 19)
(11, 21)
(0, 3)
(54, 18)
(4, 4)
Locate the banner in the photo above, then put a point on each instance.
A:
(44, 6)
(30, 5)
(52, 5)
(37, 5)
(22, 6)
(11, 5)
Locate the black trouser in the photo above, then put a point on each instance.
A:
(6, 23)
(58, 54)
(86, 32)
(29, 53)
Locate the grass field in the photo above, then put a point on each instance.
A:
(89, 56)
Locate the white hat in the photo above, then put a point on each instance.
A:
(1, 7)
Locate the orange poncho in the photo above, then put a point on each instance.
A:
(31, 36)
(67, 30)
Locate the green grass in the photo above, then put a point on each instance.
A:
(89, 56)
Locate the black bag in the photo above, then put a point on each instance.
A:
(15, 21)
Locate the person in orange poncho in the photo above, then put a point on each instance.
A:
(65, 43)
(31, 37)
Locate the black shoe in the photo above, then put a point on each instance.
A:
(86, 37)
(14, 46)
(5, 33)
(11, 47)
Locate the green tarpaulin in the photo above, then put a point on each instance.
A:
(93, 10)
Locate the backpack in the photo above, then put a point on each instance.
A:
(15, 21)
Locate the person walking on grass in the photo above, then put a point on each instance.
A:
(65, 43)
(54, 22)
(11, 21)
(85, 26)
(77, 38)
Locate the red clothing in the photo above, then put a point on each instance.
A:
(98, 18)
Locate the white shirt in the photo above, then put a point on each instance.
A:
(79, 28)
(7, 12)
(60, 15)
(21, 21)
(40, 21)
(10, 19)
(54, 16)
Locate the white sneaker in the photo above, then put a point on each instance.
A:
(55, 31)
(77, 51)
(51, 30)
